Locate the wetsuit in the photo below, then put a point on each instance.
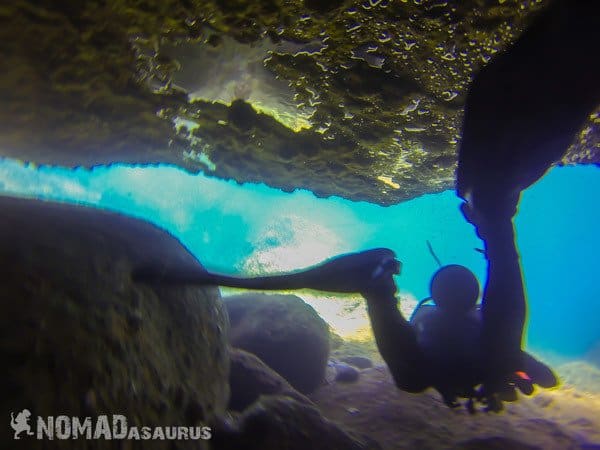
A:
(493, 359)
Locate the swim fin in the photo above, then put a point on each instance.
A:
(538, 372)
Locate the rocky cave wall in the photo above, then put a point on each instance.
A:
(79, 338)
(359, 99)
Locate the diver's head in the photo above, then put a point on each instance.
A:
(454, 288)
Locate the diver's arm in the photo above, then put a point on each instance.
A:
(504, 304)
(396, 340)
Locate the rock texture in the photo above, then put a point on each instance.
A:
(249, 378)
(77, 337)
(358, 361)
(345, 373)
(362, 100)
(284, 332)
(275, 423)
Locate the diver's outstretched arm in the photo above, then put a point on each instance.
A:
(396, 338)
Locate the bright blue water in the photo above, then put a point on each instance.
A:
(250, 228)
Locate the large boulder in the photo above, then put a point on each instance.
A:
(283, 331)
(79, 338)
(249, 378)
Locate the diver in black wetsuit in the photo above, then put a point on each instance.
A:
(521, 114)
(458, 348)
(454, 346)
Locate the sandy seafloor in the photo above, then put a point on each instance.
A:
(564, 418)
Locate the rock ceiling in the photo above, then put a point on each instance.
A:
(361, 100)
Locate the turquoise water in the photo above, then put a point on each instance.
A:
(253, 228)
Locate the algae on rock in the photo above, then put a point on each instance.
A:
(361, 100)
(78, 337)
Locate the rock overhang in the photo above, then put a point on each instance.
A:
(362, 100)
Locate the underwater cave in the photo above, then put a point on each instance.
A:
(263, 138)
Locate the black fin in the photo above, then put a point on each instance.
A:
(539, 372)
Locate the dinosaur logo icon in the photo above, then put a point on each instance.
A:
(21, 423)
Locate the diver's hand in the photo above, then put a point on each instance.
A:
(497, 390)
(381, 284)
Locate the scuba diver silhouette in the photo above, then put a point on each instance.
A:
(446, 344)
(521, 114)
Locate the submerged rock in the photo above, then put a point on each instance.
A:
(364, 347)
(249, 378)
(345, 373)
(79, 338)
(284, 332)
(340, 372)
(275, 423)
(361, 362)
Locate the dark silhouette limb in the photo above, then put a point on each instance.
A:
(397, 341)
(504, 304)
(525, 107)
(349, 273)
(522, 113)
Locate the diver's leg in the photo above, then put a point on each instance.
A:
(504, 303)
(397, 342)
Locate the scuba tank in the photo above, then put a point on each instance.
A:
(448, 326)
